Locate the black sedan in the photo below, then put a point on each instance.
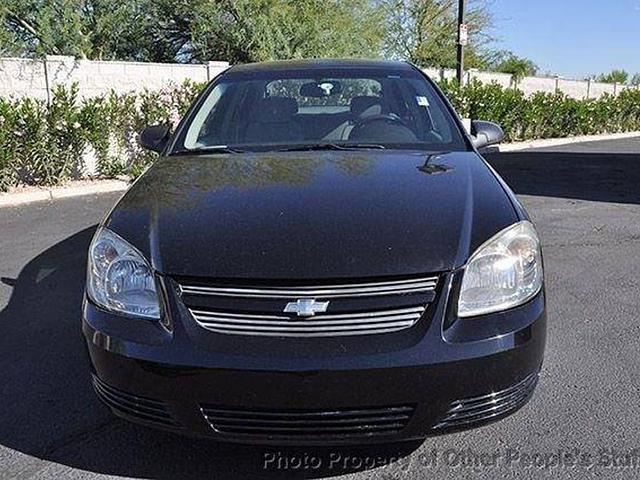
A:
(319, 255)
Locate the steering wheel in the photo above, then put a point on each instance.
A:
(397, 130)
(384, 117)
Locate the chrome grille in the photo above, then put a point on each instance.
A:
(358, 308)
(316, 326)
(309, 423)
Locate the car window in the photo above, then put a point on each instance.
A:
(278, 109)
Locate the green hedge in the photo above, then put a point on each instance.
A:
(43, 144)
(545, 115)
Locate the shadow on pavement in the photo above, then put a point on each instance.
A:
(49, 410)
(600, 177)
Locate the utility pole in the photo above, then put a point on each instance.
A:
(462, 41)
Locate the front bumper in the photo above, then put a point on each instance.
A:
(453, 374)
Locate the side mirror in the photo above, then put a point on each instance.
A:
(486, 133)
(154, 138)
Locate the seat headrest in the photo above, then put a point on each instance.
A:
(275, 109)
(365, 105)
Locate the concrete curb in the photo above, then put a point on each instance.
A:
(53, 193)
(553, 142)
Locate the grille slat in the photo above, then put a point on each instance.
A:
(143, 408)
(370, 421)
(134, 405)
(332, 333)
(305, 430)
(222, 421)
(482, 415)
(486, 407)
(358, 308)
(309, 414)
(307, 328)
(348, 290)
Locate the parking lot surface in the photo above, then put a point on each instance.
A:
(582, 422)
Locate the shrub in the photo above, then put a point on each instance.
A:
(8, 172)
(40, 145)
(45, 145)
(544, 115)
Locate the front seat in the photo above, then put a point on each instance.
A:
(272, 120)
(360, 107)
(365, 106)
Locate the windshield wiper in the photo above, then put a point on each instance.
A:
(209, 149)
(333, 146)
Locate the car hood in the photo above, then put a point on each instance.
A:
(312, 215)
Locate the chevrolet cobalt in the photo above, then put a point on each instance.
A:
(318, 255)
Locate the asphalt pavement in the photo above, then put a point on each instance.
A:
(583, 421)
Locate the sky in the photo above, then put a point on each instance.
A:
(571, 38)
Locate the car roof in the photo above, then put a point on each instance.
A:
(312, 64)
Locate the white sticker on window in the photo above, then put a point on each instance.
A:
(422, 101)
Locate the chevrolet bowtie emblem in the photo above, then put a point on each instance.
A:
(306, 307)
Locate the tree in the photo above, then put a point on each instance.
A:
(96, 29)
(614, 76)
(130, 30)
(39, 27)
(190, 30)
(518, 67)
(424, 31)
(635, 80)
(255, 30)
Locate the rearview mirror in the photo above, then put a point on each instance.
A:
(321, 89)
(154, 137)
(485, 133)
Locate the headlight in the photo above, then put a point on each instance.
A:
(119, 278)
(504, 272)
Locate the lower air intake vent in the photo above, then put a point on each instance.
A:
(309, 423)
(140, 408)
(464, 412)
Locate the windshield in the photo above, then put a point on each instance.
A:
(282, 109)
